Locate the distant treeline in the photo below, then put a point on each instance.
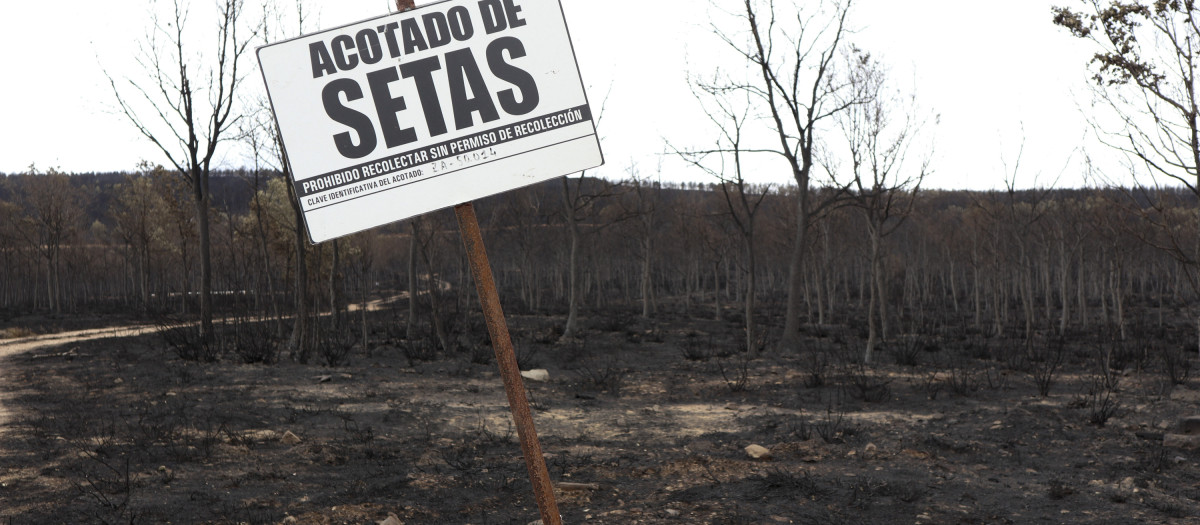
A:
(1022, 261)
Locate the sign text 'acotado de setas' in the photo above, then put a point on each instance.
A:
(486, 91)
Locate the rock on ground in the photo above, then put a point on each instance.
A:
(537, 374)
(758, 452)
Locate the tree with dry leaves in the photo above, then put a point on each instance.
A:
(1145, 72)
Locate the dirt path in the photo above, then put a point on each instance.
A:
(12, 347)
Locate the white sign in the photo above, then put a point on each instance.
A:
(416, 111)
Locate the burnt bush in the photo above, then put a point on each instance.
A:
(251, 341)
(865, 385)
(419, 350)
(527, 356)
(833, 427)
(480, 354)
(1043, 360)
(1176, 365)
(695, 349)
(815, 365)
(907, 351)
(601, 374)
(736, 374)
(183, 338)
(334, 347)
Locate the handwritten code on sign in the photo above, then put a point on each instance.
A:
(416, 111)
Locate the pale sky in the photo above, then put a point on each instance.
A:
(998, 74)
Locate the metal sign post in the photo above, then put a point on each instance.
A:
(506, 359)
(514, 386)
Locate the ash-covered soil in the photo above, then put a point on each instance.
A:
(641, 422)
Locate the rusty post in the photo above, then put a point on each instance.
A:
(489, 299)
(514, 386)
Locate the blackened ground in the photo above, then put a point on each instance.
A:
(650, 418)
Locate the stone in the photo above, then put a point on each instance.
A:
(758, 452)
(391, 520)
(870, 451)
(290, 438)
(537, 374)
(673, 513)
(1182, 441)
(1190, 425)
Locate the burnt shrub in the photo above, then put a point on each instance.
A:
(694, 349)
(815, 365)
(736, 374)
(251, 341)
(1104, 406)
(333, 347)
(480, 354)
(1176, 366)
(419, 350)
(833, 427)
(527, 356)
(907, 351)
(1043, 360)
(865, 491)
(863, 384)
(183, 338)
(600, 374)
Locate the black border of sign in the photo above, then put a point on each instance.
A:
(287, 159)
